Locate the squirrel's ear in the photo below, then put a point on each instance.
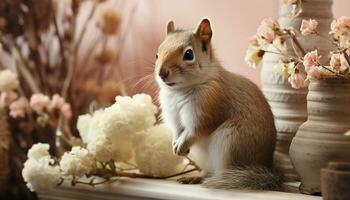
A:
(170, 27)
(203, 31)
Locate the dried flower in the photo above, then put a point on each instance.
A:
(106, 55)
(314, 72)
(38, 102)
(39, 171)
(253, 56)
(154, 153)
(340, 27)
(77, 162)
(290, 2)
(8, 81)
(38, 151)
(6, 98)
(254, 40)
(308, 27)
(297, 81)
(66, 111)
(311, 59)
(108, 92)
(101, 148)
(129, 115)
(19, 107)
(285, 69)
(267, 31)
(57, 101)
(109, 21)
(335, 62)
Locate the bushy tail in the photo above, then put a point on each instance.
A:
(251, 178)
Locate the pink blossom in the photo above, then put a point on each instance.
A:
(66, 111)
(335, 62)
(254, 40)
(311, 59)
(314, 72)
(38, 102)
(19, 107)
(290, 2)
(296, 80)
(6, 98)
(308, 26)
(340, 28)
(57, 101)
(267, 31)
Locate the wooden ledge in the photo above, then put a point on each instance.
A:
(137, 189)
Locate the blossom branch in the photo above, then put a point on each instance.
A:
(296, 41)
(346, 56)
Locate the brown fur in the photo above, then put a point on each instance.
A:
(221, 116)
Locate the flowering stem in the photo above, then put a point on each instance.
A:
(296, 41)
(346, 56)
(285, 55)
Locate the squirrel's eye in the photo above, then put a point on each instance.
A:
(156, 56)
(188, 55)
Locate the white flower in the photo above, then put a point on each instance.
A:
(40, 175)
(89, 125)
(39, 171)
(77, 162)
(101, 148)
(117, 125)
(253, 56)
(38, 151)
(154, 153)
(129, 115)
(8, 81)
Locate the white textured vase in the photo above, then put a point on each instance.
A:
(321, 138)
(289, 105)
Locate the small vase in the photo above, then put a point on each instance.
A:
(335, 181)
(287, 104)
(321, 138)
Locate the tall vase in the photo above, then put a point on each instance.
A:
(321, 138)
(289, 105)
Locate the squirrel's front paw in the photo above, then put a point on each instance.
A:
(181, 147)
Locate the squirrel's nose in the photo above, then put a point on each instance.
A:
(163, 73)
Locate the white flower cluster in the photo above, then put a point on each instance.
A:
(120, 133)
(108, 133)
(77, 162)
(38, 171)
(154, 155)
(42, 173)
(8, 81)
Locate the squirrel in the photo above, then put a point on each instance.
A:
(221, 117)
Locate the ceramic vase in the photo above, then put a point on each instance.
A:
(289, 105)
(335, 181)
(321, 138)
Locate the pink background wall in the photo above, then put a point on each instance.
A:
(233, 23)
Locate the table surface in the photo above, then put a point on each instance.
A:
(136, 189)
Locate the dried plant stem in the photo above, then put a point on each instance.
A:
(60, 39)
(22, 68)
(85, 25)
(285, 55)
(296, 41)
(346, 56)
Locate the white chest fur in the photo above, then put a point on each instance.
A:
(180, 111)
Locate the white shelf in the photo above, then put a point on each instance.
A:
(136, 189)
